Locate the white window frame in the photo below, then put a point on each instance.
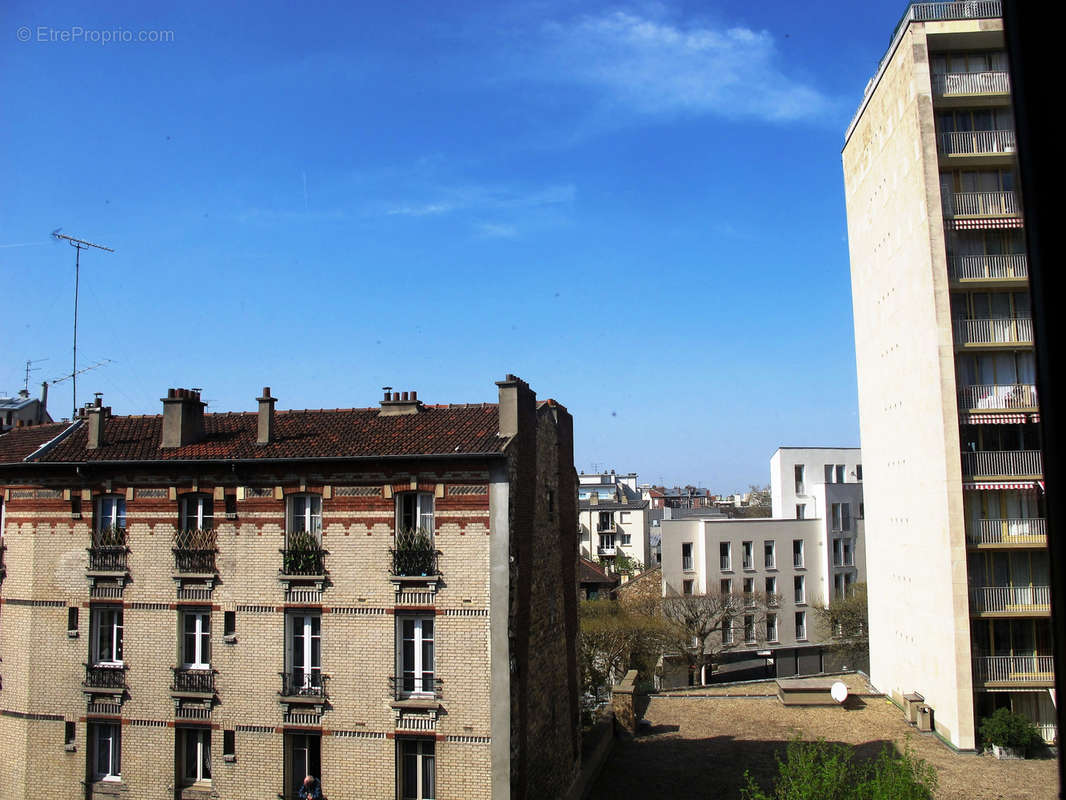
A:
(799, 589)
(303, 514)
(749, 592)
(200, 633)
(105, 750)
(687, 586)
(801, 511)
(725, 556)
(771, 587)
(195, 743)
(798, 554)
(412, 654)
(300, 646)
(105, 634)
(727, 630)
(800, 473)
(838, 551)
(421, 754)
(849, 552)
(295, 744)
(412, 507)
(627, 539)
(197, 512)
(801, 625)
(686, 556)
(839, 475)
(749, 628)
(749, 555)
(769, 550)
(771, 627)
(725, 586)
(110, 512)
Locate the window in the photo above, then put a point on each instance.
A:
(304, 654)
(194, 754)
(749, 628)
(828, 473)
(858, 472)
(196, 512)
(414, 512)
(749, 555)
(838, 585)
(849, 552)
(801, 511)
(305, 516)
(623, 516)
(799, 588)
(418, 770)
(105, 751)
(749, 591)
(606, 543)
(801, 624)
(415, 656)
(797, 553)
(686, 587)
(771, 588)
(724, 557)
(839, 473)
(686, 556)
(771, 627)
(841, 516)
(727, 630)
(105, 648)
(229, 624)
(769, 554)
(801, 486)
(726, 586)
(196, 639)
(110, 513)
(838, 552)
(229, 745)
(70, 736)
(626, 539)
(605, 522)
(303, 757)
(72, 620)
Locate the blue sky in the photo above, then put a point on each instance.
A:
(638, 208)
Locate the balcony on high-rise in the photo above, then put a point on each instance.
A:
(981, 204)
(998, 330)
(1023, 599)
(997, 397)
(976, 143)
(1010, 531)
(1013, 669)
(1009, 267)
(1002, 463)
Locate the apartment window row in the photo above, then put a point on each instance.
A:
(303, 512)
(840, 514)
(843, 551)
(414, 677)
(416, 758)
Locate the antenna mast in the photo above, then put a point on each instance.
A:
(78, 245)
(29, 369)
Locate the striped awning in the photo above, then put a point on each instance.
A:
(1020, 486)
(992, 419)
(985, 223)
(1034, 418)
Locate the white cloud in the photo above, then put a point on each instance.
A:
(488, 230)
(653, 67)
(426, 210)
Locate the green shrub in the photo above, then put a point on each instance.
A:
(826, 771)
(1007, 729)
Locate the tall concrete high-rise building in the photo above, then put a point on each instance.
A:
(955, 529)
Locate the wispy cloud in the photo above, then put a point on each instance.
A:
(488, 230)
(654, 67)
(426, 210)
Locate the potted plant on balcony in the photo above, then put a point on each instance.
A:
(1010, 735)
(414, 553)
(301, 556)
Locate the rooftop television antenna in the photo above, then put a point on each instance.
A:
(29, 369)
(78, 245)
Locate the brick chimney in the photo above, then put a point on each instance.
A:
(266, 417)
(96, 415)
(183, 418)
(397, 403)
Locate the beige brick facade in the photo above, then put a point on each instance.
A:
(359, 721)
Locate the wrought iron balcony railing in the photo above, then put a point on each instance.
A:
(414, 562)
(303, 561)
(404, 687)
(105, 676)
(301, 683)
(193, 680)
(108, 558)
(194, 561)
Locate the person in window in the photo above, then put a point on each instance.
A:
(311, 789)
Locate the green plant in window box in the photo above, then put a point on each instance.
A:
(414, 553)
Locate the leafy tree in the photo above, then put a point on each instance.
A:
(698, 621)
(624, 565)
(846, 625)
(615, 638)
(825, 771)
(1006, 728)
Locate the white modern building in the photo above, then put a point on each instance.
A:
(613, 520)
(959, 586)
(797, 473)
(802, 561)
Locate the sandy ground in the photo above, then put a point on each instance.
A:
(701, 742)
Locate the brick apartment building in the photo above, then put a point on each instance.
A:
(214, 605)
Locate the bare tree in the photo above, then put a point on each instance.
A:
(705, 625)
(845, 623)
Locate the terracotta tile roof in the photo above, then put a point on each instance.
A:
(591, 572)
(339, 433)
(18, 443)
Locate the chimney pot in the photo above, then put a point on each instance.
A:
(404, 398)
(183, 418)
(266, 391)
(414, 395)
(265, 432)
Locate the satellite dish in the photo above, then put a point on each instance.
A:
(839, 692)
